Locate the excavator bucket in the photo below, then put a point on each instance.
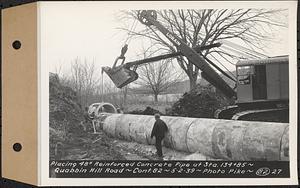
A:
(121, 76)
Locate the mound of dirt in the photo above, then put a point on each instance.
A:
(147, 111)
(70, 135)
(201, 102)
(64, 111)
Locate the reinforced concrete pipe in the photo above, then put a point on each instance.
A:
(96, 109)
(221, 139)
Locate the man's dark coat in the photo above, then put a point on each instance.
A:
(159, 129)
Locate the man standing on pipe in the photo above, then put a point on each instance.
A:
(159, 130)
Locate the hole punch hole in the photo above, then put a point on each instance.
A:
(16, 44)
(17, 147)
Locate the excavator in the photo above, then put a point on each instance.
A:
(261, 91)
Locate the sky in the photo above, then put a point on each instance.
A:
(90, 31)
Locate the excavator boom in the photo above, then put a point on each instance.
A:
(122, 75)
(198, 49)
(148, 17)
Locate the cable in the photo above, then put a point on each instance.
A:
(224, 67)
(133, 26)
(218, 68)
(246, 50)
(252, 51)
(102, 87)
(225, 57)
(236, 51)
(250, 55)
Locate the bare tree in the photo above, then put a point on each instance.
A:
(63, 78)
(204, 27)
(91, 80)
(84, 80)
(158, 77)
(76, 79)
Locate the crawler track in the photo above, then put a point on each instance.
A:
(267, 115)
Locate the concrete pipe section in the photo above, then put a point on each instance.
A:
(96, 109)
(216, 138)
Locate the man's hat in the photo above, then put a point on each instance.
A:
(157, 115)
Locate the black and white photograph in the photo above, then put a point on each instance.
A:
(183, 84)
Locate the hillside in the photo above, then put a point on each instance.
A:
(70, 136)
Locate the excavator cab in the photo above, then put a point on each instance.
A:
(121, 75)
(263, 80)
